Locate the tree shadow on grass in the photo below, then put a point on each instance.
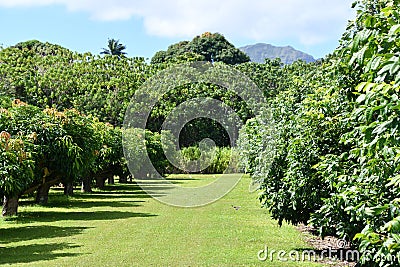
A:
(128, 191)
(136, 188)
(128, 188)
(131, 190)
(105, 195)
(35, 252)
(121, 189)
(91, 204)
(53, 216)
(24, 233)
(87, 201)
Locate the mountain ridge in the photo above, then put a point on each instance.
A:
(258, 52)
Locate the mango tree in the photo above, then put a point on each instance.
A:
(64, 144)
(16, 171)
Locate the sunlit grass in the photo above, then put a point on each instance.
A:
(122, 226)
(192, 180)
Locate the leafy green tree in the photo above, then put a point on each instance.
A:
(210, 47)
(41, 48)
(16, 171)
(270, 77)
(198, 129)
(142, 144)
(41, 148)
(290, 189)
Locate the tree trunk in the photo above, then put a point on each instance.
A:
(87, 185)
(100, 181)
(111, 179)
(68, 189)
(123, 179)
(10, 206)
(42, 195)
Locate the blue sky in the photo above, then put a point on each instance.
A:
(147, 26)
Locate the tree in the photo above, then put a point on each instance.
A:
(16, 171)
(114, 48)
(41, 49)
(62, 148)
(210, 47)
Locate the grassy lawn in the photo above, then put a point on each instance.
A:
(122, 226)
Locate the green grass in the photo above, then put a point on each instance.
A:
(122, 226)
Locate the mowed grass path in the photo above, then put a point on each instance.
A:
(122, 226)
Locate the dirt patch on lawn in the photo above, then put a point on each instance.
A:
(331, 251)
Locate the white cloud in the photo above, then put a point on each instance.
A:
(309, 22)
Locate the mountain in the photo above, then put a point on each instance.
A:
(287, 54)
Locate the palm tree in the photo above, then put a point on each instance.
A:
(114, 48)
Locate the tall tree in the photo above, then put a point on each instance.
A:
(114, 47)
(210, 47)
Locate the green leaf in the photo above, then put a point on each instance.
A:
(382, 127)
(360, 87)
(375, 211)
(395, 29)
(374, 63)
(395, 68)
(359, 236)
(395, 181)
(393, 225)
(356, 42)
(361, 98)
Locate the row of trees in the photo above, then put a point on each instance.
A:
(335, 163)
(47, 75)
(40, 148)
(63, 124)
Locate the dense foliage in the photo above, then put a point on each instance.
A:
(211, 47)
(98, 86)
(53, 146)
(47, 75)
(210, 161)
(335, 163)
(83, 143)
